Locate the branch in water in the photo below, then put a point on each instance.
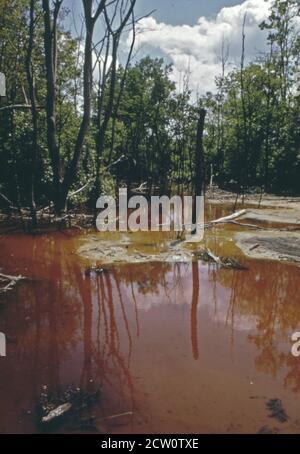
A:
(9, 282)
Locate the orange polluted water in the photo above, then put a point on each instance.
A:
(185, 347)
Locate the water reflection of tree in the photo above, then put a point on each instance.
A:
(64, 308)
(112, 358)
(194, 310)
(42, 320)
(268, 293)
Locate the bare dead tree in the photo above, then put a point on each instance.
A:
(78, 60)
(62, 184)
(244, 109)
(122, 86)
(121, 13)
(90, 21)
(199, 175)
(34, 111)
(220, 112)
(50, 44)
(244, 166)
(103, 67)
(199, 182)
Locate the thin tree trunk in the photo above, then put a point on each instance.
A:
(199, 178)
(199, 182)
(116, 35)
(122, 86)
(50, 42)
(62, 188)
(87, 93)
(194, 310)
(244, 174)
(34, 113)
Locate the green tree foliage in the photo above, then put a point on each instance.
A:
(252, 131)
(272, 96)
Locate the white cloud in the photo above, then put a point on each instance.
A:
(197, 48)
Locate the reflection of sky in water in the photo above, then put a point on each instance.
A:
(214, 298)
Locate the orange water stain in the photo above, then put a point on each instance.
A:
(188, 348)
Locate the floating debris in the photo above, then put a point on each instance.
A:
(8, 283)
(57, 413)
(96, 270)
(225, 262)
(204, 256)
(229, 262)
(108, 253)
(275, 406)
(71, 406)
(119, 415)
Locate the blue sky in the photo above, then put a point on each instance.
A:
(175, 12)
(189, 34)
(178, 12)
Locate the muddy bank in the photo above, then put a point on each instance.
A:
(272, 234)
(218, 196)
(123, 251)
(290, 216)
(269, 208)
(270, 246)
(271, 226)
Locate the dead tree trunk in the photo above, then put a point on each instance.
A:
(122, 86)
(50, 43)
(199, 181)
(90, 21)
(61, 188)
(34, 111)
(243, 176)
(106, 116)
(199, 175)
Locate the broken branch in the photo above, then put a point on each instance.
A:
(9, 282)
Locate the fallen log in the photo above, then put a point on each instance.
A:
(73, 405)
(214, 257)
(58, 412)
(249, 226)
(229, 218)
